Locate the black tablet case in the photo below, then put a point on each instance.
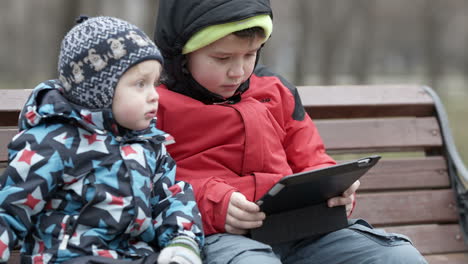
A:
(299, 209)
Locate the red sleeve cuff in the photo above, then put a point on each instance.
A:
(213, 207)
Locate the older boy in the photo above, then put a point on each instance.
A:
(239, 129)
(89, 179)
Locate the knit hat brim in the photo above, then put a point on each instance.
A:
(213, 33)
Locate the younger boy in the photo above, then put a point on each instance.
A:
(239, 129)
(89, 179)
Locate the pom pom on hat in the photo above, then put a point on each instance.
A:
(96, 53)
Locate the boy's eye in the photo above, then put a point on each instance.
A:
(141, 84)
(222, 58)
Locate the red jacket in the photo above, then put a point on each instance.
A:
(245, 147)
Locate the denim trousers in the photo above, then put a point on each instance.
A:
(359, 242)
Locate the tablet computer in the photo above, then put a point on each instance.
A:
(314, 187)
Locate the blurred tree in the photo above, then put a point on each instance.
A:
(302, 44)
(360, 67)
(432, 36)
(334, 17)
(71, 10)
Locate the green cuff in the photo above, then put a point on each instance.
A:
(186, 242)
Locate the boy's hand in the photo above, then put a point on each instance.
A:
(346, 199)
(242, 215)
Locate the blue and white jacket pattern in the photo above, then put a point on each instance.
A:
(77, 184)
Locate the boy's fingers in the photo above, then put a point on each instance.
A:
(240, 227)
(337, 201)
(242, 215)
(239, 200)
(352, 189)
(239, 219)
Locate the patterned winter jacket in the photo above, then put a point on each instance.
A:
(78, 184)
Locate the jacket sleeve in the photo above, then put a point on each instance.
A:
(303, 144)
(32, 174)
(214, 192)
(175, 211)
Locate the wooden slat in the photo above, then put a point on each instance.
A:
(433, 239)
(459, 258)
(3, 165)
(366, 101)
(403, 174)
(6, 134)
(407, 207)
(386, 133)
(15, 257)
(9, 119)
(13, 99)
(12, 103)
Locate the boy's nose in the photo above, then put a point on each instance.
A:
(153, 95)
(236, 70)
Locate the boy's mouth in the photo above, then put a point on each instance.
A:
(231, 86)
(151, 114)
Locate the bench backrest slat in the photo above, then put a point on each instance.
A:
(11, 103)
(6, 134)
(13, 100)
(375, 133)
(362, 100)
(407, 174)
(408, 207)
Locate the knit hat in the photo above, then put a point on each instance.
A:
(213, 33)
(95, 54)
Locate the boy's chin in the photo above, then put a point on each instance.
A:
(227, 95)
(139, 127)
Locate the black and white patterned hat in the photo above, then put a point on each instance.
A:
(95, 54)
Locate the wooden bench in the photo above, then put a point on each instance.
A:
(410, 191)
(11, 102)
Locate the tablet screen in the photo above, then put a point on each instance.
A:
(314, 187)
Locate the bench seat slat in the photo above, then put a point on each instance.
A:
(405, 174)
(433, 239)
(391, 133)
(366, 100)
(407, 207)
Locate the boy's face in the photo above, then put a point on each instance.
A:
(224, 64)
(135, 101)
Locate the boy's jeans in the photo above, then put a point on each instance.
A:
(358, 243)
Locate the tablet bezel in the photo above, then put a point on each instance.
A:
(314, 187)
